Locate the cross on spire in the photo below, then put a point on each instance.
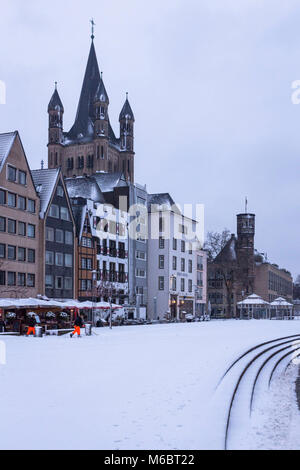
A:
(93, 28)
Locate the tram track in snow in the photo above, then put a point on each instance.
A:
(290, 346)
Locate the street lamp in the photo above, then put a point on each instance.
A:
(94, 277)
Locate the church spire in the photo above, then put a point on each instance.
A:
(83, 125)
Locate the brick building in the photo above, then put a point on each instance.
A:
(19, 222)
(239, 271)
(91, 144)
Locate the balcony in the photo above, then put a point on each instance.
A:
(113, 252)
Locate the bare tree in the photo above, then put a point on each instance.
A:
(225, 269)
(215, 243)
(297, 281)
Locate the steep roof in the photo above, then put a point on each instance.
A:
(85, 187)
(228, 253)
(84, 118)
(126, 111)
(108, 181)
(55, 102)
(162, 201)
(45, 181)
(79, 213)
(101, 93)
(6, 143)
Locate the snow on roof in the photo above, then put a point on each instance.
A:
(6, 142)
(85, 187)
(108, 181)
(281, 302)
(162, 201)
(253, 299)
(44, 181)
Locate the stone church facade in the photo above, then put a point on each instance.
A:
(91, 145)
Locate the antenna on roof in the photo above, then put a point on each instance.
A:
(42, 164)
(246, 205)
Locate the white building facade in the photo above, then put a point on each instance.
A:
(172, 261)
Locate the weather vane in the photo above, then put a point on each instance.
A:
(93, 27)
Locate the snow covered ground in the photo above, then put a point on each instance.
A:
(149, 387)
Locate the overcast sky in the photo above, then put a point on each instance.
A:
(209, 82)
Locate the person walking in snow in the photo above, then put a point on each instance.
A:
(31, 325)
(77, 325)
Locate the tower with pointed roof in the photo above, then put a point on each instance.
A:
(91, 145)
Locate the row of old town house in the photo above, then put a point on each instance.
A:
(84, 229)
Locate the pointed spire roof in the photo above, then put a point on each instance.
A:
(85, 112)
(126, 111)
(55, 101)
(101, 93)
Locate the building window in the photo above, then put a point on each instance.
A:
(59, 259)
(190, 266)
(68, 261)
(2, 278)
(161, 283)
(182, 265)
(31, 256)
(11, 200)
(60, 191)
(182, 285)
(175, 244)
(12, 226)
(59, 236)
(68, 283)
(31, 206)
(21, 254)
(11, 252)
(190, 285)
(22, 203)
(174, 283)
(141, 255)
(22, 177)
(21, 279)
(11, 174)
(49, 258)
(182, 246)
(11, 278)
(59, 282)
(50, 234)
(69, 238)
(2, 250)
(174, 263)
(49, 280)
(64, 213)
(31, 231)
(54, 211)
(22, 229)
(140, 273)
(2, 197)
(31, 280)
(161, 262)
(161, 243)
(2, 224)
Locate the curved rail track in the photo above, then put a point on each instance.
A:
(291, 344)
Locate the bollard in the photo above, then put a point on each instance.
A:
(88, 329)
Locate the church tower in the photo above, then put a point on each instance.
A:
(127, 120)
(245, 250)
(55, 136)
(91, 145)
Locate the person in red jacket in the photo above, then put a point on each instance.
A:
(31, 325)
(77, 325)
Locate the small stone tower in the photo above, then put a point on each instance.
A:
(245, 250)
(56, 136)
(127, 120)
